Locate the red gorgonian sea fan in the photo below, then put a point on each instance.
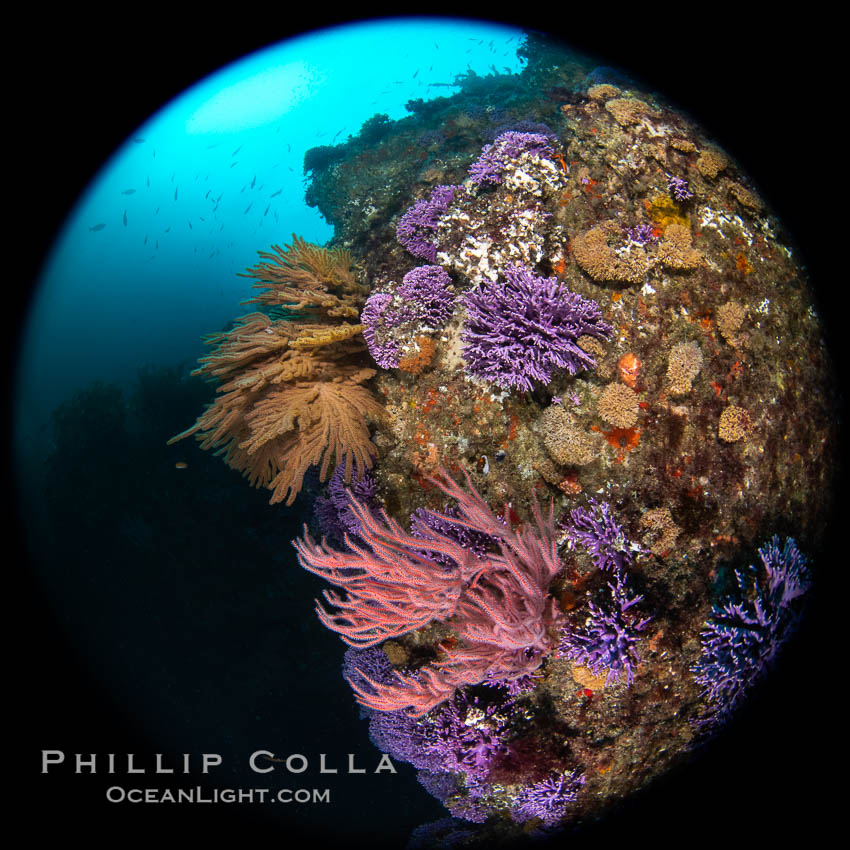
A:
(499, 603)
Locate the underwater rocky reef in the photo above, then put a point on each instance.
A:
(565, 386)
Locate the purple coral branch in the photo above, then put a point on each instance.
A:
(385, 351)
(597, 531)
(426, 290)
(548, 799)
(741, 639)
(488, 168)
(521, 329)
(422, 301)
(678, 188)
(418, 226)
(609, 637)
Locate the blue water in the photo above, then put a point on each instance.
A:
(147, 261)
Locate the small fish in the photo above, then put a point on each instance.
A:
(202, 218)
(125, 218)
(129, 192)
(138, 141)
(254, 181)
(175, 193)
(148, 181)
(146, 240)
(267, 210)
(236, 151)
(275, 194)
(167, 229)
(415, 73)
(207, 194)
(234, 163)
(248, 207)
(190, 227)
(97, 227)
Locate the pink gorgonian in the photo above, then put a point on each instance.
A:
(499, 603)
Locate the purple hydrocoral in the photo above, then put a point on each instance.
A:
(463, 736)
(741, 639)
(334, 513)
(376, 319)
(455, 746)
(678, 188)
(463, 801)
(642, 234)
(548, 799)
(423, 522)
(365, 665)
(469, 807)
(523, 328)
(391, 319)
(418, 226)
(608, 639)
(515, 687)
(405, 739)
(467, 736)
(487, 169)
(601, 535)
(460, 739)
(426, 290)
